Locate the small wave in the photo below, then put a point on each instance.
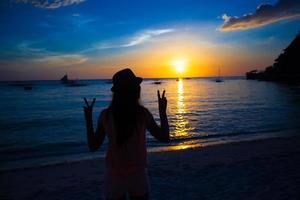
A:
(41, 151)
(205, 136)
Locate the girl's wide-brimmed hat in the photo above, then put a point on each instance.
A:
(125, 80)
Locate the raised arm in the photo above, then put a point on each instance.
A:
(96, 139)
(161, 133)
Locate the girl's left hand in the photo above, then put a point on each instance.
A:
(88, 109)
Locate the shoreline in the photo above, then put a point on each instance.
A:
(261, 167)
(186, 145)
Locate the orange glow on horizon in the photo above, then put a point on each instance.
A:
(155, 59)
(172, 59)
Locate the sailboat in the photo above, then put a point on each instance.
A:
(71, 83)
(64, 79)
(219, 79)
(76, 83)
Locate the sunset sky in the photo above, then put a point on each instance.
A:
(95, 38)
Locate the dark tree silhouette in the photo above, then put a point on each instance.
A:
(286, 67)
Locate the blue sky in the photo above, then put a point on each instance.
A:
(94, 38)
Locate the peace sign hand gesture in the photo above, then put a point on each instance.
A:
(162, 103)
(88, 109)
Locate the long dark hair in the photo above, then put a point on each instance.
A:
(125, 107)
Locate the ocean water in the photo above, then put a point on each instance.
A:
(46, 125)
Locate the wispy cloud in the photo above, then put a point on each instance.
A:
(138, 39)
(145, 37)
(61, 60)
(25, 51)
(264, 14)
(50, 4)
(33, 52)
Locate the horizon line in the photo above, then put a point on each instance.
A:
(147, 78)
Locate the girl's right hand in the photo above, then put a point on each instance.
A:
(162, 102)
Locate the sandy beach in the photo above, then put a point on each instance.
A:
(262, 169)
(203, 94)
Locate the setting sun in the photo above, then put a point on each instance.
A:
(180, 65)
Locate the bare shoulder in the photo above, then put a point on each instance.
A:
(104, 111)
(103, 114)
(146, 113)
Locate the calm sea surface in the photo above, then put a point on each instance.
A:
(46, 125)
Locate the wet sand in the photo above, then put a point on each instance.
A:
(262, 169)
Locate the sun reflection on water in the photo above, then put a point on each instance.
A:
(181, 123)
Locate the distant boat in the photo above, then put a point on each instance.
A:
(157, 82)
(64, 79)
(28, 87)
(74, 83)
(219, 79)
(71, 83)
(20, 84)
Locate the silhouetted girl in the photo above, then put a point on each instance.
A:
(125, 123)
